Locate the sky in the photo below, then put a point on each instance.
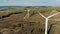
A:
(29, 2)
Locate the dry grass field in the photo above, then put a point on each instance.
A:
(12, 21)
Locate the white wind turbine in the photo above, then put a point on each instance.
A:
(46, 20)
(27, 15)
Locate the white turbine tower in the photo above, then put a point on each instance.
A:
(46, 20)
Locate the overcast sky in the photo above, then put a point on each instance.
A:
(29, 2)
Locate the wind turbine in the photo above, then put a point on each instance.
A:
(46, 20)
(27, 15)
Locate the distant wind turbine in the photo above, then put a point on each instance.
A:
(27, 15)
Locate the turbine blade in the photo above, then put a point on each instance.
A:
(52, 15)
(41, 14)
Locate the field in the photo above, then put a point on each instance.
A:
(17, 20)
